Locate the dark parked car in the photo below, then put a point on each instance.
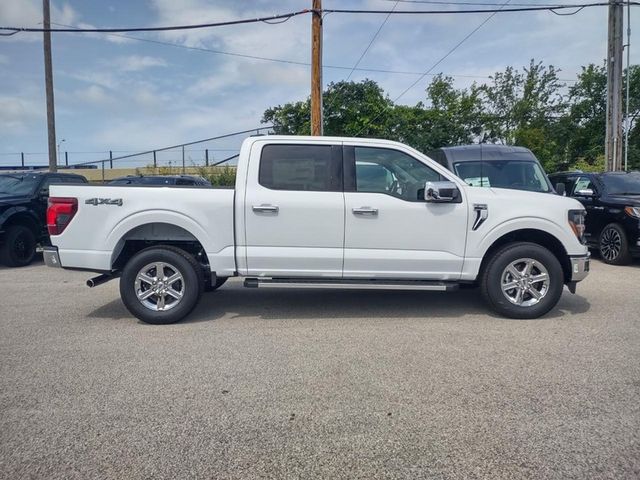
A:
(166, 180)
(498, 166)
(23, 208)
(612, 201)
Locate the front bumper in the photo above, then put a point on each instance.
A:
(51, 257)
(580, 267)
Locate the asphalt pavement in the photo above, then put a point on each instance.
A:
(324, 384)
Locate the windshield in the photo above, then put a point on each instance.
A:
(515, 174)
(20, 184)
(628, 184)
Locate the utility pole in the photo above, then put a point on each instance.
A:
(316, 68)
(613, 141)
(48, 80)
(627, 122)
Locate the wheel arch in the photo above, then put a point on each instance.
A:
(530, 235)
(145, 235)
(22, 216)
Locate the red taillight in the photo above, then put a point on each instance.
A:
(60, 212)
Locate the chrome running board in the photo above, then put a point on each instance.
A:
(352, 284)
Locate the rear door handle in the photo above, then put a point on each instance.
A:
(365, 211)
(265, 208)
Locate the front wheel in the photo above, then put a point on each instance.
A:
(522, 280)
(161, 285)
(614, 246)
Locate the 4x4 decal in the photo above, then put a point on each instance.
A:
(103, 201)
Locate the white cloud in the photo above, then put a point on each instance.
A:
(28, 13)
(119, 38)
(93, 94)
(18, 112)
(136, 63)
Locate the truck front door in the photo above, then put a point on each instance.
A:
(390, 231)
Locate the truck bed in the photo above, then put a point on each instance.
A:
(107, 216)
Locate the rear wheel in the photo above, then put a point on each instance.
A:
(161, 285)
(19, 246)
(522, 280)
(614, 247)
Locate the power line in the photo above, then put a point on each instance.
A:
(267, 19)
(478, 4)
(551, 8)
(282, 60)
(440, 60)
(147, 152)
(287, 16)
(373, 39)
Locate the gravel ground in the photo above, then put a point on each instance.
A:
(318, 384)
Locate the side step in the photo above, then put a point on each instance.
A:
(350, 283)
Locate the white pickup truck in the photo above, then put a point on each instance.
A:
(321, 212)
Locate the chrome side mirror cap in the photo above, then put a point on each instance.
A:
(586, 192)
(441, 192)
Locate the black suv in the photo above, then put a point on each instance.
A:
(23, 210)
(166, 180)
(612, 201)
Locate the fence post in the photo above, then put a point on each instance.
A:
(103, 171)
(110, 159)
(206, 157)
(183, 160)
(22, 158)
(66, 158)
(155, 164)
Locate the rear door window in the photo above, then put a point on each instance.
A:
(301, 168)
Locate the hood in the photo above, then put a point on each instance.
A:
(627, 200)
(7, 199)
(509, 196)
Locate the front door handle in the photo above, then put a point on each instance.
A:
(368, 211)
(265, 208)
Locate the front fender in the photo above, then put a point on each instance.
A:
(562, 233)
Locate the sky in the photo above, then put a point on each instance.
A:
(126, 95)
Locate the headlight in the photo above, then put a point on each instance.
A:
(576, 222)
(632, 211)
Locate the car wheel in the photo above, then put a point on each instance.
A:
(19, 246)
(614, 247)
(210, 287)
(161, 285)
(522, 280)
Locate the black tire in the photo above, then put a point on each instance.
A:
(491, 281)
(18, 247)
(614, 246)
(191, 284)
(211, 287)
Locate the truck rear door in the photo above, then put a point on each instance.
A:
(294, 210)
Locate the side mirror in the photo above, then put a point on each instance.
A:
(561, 189)
(441, 192)
(44, 194)
(586, 192)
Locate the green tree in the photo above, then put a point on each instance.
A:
(349, 109)
(526, 108)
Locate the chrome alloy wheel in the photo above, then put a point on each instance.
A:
(159, 286)
(610, 244)
(525, 282)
